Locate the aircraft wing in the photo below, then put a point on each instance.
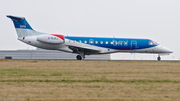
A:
(87, 49)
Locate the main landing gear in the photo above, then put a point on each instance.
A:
(79, 57)
(159, 58)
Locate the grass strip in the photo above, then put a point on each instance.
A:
(93, 81)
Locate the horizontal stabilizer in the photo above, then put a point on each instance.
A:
(15, 17)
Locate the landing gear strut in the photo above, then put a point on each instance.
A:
(159, 58)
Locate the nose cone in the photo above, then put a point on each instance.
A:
(162, 50)
(165, 49)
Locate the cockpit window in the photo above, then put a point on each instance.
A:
(150, 43)
(153, 43)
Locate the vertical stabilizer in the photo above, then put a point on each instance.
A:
(22, 27)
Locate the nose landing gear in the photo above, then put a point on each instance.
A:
(159, 58)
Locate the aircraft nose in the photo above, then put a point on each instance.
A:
(170, 51)
(166, 50)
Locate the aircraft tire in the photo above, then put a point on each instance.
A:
(78, 57)
(159, 58)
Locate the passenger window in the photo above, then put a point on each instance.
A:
(116, 42)
(79, 41)
(91, 41)
(96, 42)
(101, 42)
(85, 41)
(106, 42)
(120, 43)
(112, 42)
(125, 43)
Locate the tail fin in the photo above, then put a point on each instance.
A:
(22, 27)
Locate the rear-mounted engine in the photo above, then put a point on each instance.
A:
(51, 38)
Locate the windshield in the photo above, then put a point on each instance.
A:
(153, 43)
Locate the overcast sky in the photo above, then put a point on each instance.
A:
(158, 20)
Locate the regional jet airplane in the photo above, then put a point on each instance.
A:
(84, 45)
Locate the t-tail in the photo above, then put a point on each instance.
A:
(22, 27)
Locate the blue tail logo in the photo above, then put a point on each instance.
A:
(20, 22)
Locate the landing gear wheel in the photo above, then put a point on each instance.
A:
(78, 57)
(159, 58)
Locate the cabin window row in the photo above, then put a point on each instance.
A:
(96, 42)
(101, 42)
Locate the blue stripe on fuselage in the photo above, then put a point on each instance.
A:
(117, 43)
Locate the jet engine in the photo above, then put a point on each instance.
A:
(51, 38)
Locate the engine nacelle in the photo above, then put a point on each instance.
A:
(51, 38)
